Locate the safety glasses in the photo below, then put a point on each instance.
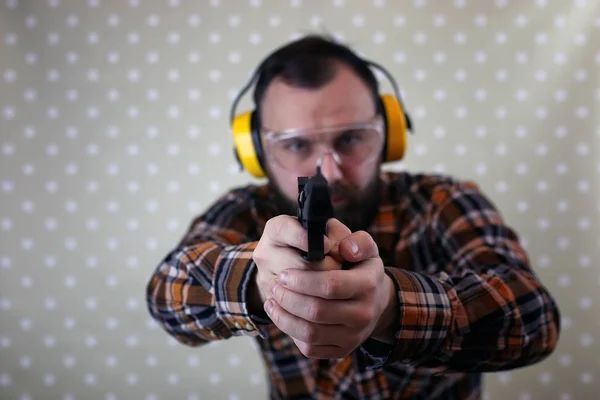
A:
(300, 149)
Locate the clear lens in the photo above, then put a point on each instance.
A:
(300, 151)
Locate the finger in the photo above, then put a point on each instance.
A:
(357, 247)
(325, 352)
(303, 330)
(311, 308)
(336, 231)
(328, 263)
(286, 231)
(337, 284)
(277, 259)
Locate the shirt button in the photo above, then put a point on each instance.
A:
(249, 327)
(237, 325)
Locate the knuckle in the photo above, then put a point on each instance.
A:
(278, 225)
(302, 238)
(269, 224)
(275, 225)
(332, 286)
(304, 348)
(314, 310)
(257, 255)
(281, 296)
(310, 351)
(371, 283)
(364, 317)
(275, 317)
(262, 279)
(309, 334)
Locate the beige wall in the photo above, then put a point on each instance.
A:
(114, 135)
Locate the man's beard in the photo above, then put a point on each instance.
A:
(357, 213)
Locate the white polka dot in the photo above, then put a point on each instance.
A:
(132, 262)
(5, 342)
(521, 95)
(564, 281)
(255, 378)
(91, 303)
(49, 341)
(583, 186)
(501, 75)
(26, 324)
(90, 379)
(461, 112)
(49, 379)
(6, 224)
(255, 38)
(586, 339)
(585, 303)
(587, 377)
(563, 243)
(545, 378)
(565, 360)
(562, 205)
(5, 304)
(420, 38)
(521, 168)
(585, 261)
(501, 186)
(69, 361)
(214, 186)
(543, 224)
(399, 57)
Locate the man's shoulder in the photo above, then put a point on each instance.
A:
(245, 192)
(242, 197)
(424, 186)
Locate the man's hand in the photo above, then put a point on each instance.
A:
(329, 313)
(278, 250)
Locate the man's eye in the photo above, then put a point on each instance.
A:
(296, 145)
(350, 137)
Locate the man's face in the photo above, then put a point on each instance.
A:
(346, 99)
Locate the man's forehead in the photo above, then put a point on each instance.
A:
(346, 99)
(306, 119)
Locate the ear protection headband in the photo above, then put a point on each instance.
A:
(245, 127)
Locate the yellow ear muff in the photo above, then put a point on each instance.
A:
(244, 144)
(397, 133)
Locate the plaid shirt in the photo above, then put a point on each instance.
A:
(468, 299)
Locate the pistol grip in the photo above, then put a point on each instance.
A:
(316, 241)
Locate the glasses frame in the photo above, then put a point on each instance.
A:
(271, 137)
(275, 136)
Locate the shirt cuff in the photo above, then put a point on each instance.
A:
(425, 319)
(233, 275)
(377, 353)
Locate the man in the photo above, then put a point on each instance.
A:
(439, 290)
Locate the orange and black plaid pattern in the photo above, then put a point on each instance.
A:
(469, 300)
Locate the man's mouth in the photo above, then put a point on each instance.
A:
(337, 200)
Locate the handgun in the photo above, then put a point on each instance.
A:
(314, 210)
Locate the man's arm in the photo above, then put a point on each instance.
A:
(201, 289)
(487, 311)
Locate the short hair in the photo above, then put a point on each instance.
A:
(310, 62)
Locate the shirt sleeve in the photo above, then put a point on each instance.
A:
(485, 310)
(198, 292)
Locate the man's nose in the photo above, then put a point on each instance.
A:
(330, 167)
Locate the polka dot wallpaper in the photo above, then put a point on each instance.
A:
(114, 135)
